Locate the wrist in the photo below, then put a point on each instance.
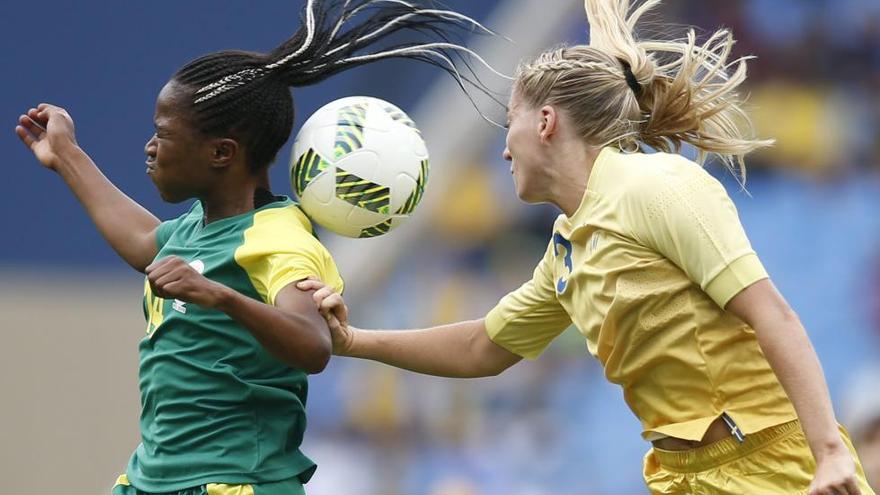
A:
(355, 339)
(69, 155)
(224, 298)
(829, 448)
(69, 151)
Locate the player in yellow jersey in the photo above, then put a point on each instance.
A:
(650, 262)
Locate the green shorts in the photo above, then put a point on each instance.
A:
(290, 486)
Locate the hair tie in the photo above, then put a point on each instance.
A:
(631, 80)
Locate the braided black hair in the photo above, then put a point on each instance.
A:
(247, 96)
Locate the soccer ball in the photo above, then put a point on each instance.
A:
(359, 166)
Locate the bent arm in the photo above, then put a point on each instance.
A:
(787, 348)
(127, 226)
(293, 331)
(458, 350)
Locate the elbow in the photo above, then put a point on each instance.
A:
(495, 371)
(312, 357)
(789, 315)
(486, 373)
(319, 357)
(317, 363)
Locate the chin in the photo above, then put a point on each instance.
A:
(171, 197)
(526, 196)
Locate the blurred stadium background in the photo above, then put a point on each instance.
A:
(70, 311)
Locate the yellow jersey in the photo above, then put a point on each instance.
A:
(643, 269)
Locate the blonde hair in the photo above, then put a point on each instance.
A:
(622, 91)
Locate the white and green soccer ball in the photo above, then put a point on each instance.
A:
(359, 166)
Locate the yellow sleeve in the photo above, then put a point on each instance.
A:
(312, 259)
(692, 221)
(278, 251)
(525, 321)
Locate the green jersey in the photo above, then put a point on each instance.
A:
(216, 406)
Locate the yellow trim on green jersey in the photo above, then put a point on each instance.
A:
(279, 248)
(643, 269)
(223, 489)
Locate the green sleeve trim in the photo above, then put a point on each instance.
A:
(741, 273)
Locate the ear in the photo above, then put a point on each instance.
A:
(549, 123)
(223, 152)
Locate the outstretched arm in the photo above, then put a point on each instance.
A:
(129, 228)
(788, 350)
(459, 350)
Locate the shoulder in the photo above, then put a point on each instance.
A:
(645, 180)
(285, 215)
(279, 229)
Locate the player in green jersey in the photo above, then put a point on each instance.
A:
(229, 339)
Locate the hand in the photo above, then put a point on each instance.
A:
(173, 278)
(48, 131)
(835, 474)
(332, 308)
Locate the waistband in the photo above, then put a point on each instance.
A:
(722, 451)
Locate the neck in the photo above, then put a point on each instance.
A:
(570, 183)
(233, 198)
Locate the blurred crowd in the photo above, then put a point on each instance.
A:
(813, 85)
(553, 425)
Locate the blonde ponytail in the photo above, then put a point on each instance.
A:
(623, 91)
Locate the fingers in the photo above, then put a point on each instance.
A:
(310, 283)
(852, 487)
(161, 264)
(169, 288)
(39, 116)
(29, 131)
(321, 294)
(162, 272)
(334, 305)
(848, 487)
(32, 125)
(164, 280)
(26, 137)
(331, 302)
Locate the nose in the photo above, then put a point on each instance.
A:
(506, 154)
(150, 147)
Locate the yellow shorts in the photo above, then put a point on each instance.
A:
(776, 460)
(290, 486)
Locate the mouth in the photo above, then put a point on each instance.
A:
(151, 166)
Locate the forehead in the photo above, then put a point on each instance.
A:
(514, 100)
(171, 102)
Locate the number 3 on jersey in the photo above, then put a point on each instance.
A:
(561, 243)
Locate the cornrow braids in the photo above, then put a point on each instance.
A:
(557, 65)
(247, 95)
